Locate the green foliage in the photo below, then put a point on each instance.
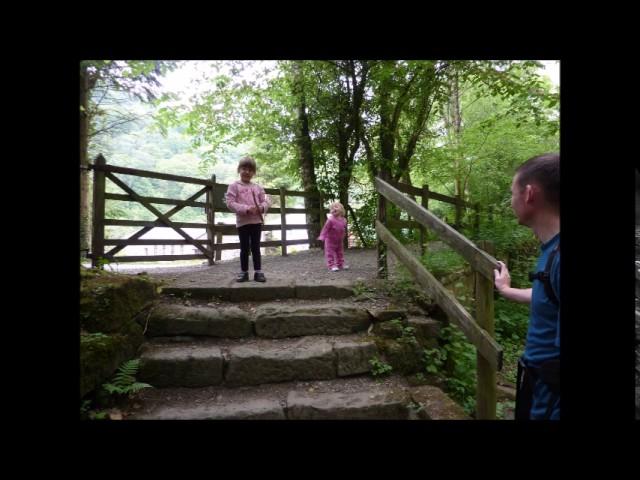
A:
(454, 362)
(379, 368)
(511, 320)
(124, 381)
(443, 262)
(435, 360)
(501, 408)
(408, 333)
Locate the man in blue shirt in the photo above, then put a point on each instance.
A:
(535, 199)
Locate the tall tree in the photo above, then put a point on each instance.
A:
(305, 152)
(98, 78)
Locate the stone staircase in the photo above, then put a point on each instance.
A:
(269, 352)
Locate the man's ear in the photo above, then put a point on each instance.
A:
(530, 191)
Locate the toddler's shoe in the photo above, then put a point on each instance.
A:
(334, 269)
(259, 277)
(344, 267)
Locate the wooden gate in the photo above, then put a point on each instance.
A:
(209, 248)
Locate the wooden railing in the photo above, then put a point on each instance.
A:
(214, 202)
(425, 195)
(478, 331)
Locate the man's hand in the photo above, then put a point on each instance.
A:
(502, 277)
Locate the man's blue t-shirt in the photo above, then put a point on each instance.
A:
(543, 336)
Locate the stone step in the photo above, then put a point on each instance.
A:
(175, 319)
(360, 398)
(254, 361)
(252, 291)
(278, 321)
(270, 320)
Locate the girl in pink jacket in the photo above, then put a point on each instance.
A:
(249, 202)
(333, 234)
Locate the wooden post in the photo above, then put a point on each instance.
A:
(321, 208)
(383, 266)
(423, 230)
(218, 242)
(458, 217)
(283, 222)
(98, 212)
(211, 217)
(486, 388)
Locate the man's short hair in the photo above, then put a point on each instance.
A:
(543, 170)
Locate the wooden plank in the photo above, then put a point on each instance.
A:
(155, 258)
(270, 243)
(148, 174)
(381, 217)
(404, 188)
(479, 260)
(211, 216)
(157, 223)
(486, 393)
(164, 219)
(393, 223)
(150, 223)
(219, 234)
(423, 230)
(126, 242)
(321, 210)
(485, 344)
(227, 228)
(97, 242)
(157, 200)
(283, 222)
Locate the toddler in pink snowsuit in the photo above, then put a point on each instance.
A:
(332, 234)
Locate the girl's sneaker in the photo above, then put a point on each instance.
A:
(344, 267)
(334, 269)
(242, 277)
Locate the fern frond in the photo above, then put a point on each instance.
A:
(136, 387)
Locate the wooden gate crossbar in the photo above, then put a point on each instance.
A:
(161, 217)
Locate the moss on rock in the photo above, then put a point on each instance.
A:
(108, 301)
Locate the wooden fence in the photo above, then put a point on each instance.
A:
(479, 331)
(425, 195)
(210, 248)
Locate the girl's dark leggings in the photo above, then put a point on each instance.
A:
(250, 239)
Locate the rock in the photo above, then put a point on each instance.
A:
(187, 366)
(405, 357)
(505, 393)
(426, 330)
(101, 355)
(346, 406)
(278, 321)
(436, 405)
(353, 357)
(383, 315)
(387, 329)
(253, 365)
(229, 322)
(108, 301)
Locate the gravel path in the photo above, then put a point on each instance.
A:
(306, 265)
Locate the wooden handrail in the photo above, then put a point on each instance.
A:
(480, 260)
(485, 344)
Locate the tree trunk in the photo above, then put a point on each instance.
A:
(456, 127)
(305, 158)
(85, 224)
